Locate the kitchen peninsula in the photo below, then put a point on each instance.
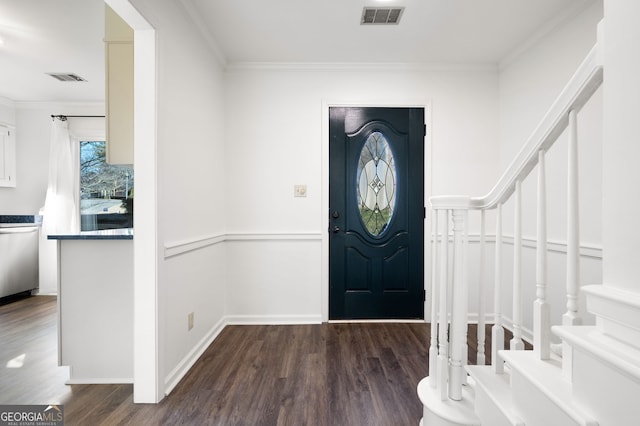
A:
(95, 305)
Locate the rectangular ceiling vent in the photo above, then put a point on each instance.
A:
(381, 15)
(66, 76)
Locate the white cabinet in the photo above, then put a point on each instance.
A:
(7, 156)
(119, 89)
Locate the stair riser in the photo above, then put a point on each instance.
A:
(617, 312)
(432, 419)
(534, 406)
(488, 412)
(610, 396)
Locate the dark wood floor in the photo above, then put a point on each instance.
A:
(329, 374)
(29, 372)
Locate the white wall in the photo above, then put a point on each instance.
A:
(275, 140)
(528, 86)
(191, 187)
(274, 280)
(275, 134)
(621, 173)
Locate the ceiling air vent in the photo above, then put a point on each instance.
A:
(381, 15)
(66, 76)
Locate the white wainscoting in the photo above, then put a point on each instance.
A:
(275, 278)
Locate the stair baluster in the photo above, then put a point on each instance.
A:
(541, 308)
(497, 331)
(517, 343)
(480, 357)
(571, 317)
(443, 288)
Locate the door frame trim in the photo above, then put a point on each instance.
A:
(400, 102)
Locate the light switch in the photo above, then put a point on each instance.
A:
(300, 190)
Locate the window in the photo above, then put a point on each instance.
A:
(106, 191)
(376, 185)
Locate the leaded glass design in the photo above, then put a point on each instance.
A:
(376, 184)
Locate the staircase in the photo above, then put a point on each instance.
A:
(593, 378)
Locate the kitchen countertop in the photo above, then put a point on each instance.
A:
(105, 234)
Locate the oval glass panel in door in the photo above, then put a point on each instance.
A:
(376, 184)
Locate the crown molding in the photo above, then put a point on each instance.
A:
(360, 66)
(57, 105)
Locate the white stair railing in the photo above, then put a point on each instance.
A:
(450, 267)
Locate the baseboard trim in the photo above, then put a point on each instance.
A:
(177, 374)
(273, 319)
(99, 381)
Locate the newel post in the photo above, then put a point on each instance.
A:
(458, 310)
(452, 295)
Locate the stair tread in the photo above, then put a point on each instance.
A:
(615, 353)
(498, 388)
(546, 375)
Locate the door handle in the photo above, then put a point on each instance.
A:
(336, 229)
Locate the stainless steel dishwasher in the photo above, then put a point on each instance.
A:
(18, 258)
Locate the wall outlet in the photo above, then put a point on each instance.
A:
(190, 320)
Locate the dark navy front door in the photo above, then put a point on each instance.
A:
(376, 213)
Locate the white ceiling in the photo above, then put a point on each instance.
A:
(43, 36)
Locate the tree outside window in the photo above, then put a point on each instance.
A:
(106, 191)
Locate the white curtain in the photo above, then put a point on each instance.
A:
(61, 206)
